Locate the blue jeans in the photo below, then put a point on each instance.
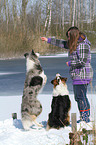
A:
(82, 101)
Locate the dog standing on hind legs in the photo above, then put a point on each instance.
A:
(61, 104)
(34, 82)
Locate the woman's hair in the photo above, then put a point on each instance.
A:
(74, 34)
(71, 28)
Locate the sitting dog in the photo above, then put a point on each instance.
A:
(59, 116)
(34, 82)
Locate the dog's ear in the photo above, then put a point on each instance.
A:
(55, 82)
(33, 53)
(52, 81)
(26, 54)
(65, 79)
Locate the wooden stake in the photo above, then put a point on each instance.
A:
(74, 122)
(14, 116)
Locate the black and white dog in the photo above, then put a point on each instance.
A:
(34, 82)
(60, 107)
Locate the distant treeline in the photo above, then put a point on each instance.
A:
(23, 22)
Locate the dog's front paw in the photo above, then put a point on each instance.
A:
(40, 125)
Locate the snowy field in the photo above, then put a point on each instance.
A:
(12, 133)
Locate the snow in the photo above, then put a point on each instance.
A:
(12, 132)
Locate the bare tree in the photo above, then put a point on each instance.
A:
(23, 13)
(50, 15)
(1, 6)
(78, 13)
(73, 22)
(70, 12)
(57, 11)
(63, 14)
(86, 11)
(6, 13)
(23, 23)
(93, 11)
(60, 17)
(90, 14)
(82, 14)
(14, 12)
(48, 18)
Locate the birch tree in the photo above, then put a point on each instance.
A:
(86, 11)
(93, 11)
(82, 14)
(90, 14)
(48, 18)
(74, 9)
(50, 15)
(60, 14)
(78, 13)
(57, 16)
(63, 15)
(70, 12)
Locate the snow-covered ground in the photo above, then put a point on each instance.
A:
(12, 133)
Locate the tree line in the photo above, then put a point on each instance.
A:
(23, 22)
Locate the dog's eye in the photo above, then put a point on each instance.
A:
(58, 78)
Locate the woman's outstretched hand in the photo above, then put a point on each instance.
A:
(44, 39)
(67, 64)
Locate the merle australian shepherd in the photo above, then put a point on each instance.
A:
(60, 107)
(34, 82)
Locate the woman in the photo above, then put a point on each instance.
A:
(80, 66)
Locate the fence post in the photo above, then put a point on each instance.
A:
(14, 116)
(74, 122)
(74, 136)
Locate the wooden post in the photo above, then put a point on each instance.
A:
(14, 116)
(74, 122)
(74, 136)
(74, 128)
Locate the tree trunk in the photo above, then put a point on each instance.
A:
(50, 15)
(6, 16)
(56, 16)
(63, 15)
(93, 12)
(90, 15)
(82, 14)
(73, 22)
(47, 17)
(70, 12)
(23, 23)
(14, 14)
(78, 13)
(86, 12)
(60, 15)
(23, 16)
